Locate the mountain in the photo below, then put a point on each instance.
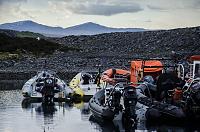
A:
(33, 27)
(82, 29)
(93, 28)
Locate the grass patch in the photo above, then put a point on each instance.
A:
(32, 45)
(27, 34)
(7, 56)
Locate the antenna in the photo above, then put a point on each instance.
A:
(45, 64)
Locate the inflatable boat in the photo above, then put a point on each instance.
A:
(169, 98)
(133, 105)
(46, 86)
(85, 84)
(113, 103)
(152, 94)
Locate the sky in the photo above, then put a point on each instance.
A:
(149, 14)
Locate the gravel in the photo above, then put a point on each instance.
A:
(110, 50)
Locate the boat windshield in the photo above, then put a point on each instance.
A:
(197, 71)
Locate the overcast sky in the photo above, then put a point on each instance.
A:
(150, 14)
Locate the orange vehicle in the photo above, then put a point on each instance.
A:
(195, 58)
(141, 68)
(110, 75)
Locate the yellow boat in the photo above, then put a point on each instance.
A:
(85, 83)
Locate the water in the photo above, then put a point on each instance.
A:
(35, 117)
(16, 115)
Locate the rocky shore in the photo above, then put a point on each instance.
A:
(112, 50)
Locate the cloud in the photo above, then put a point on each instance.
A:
(194, 4)
(153, 13)
(11, 1)
(14, 8)
(152, 7)
(148, 21)
(92, 7)
(166, 5)
(106, 10)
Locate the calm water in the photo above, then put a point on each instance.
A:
(16, 116)
(35, 117)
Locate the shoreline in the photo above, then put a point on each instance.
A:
(21, 75)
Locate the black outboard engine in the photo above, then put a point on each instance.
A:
(130, 100)
(116, 101)
(48, 89)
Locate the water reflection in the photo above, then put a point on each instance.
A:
(46, 111)
(118, 126)
(43, 112)
(54, 111)
(18, 115)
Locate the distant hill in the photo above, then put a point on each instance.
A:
(82, 29)
(93, 28)
(21, 34)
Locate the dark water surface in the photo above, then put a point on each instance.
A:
(16, 116)
(36, 117)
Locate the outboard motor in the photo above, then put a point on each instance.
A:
(130, 100)
(116, 101)
(48, 89)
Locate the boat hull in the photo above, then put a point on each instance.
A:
(98, 109)
(30, 89)
(145, 109)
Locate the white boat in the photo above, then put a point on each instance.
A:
(46, 85)
(85, 84)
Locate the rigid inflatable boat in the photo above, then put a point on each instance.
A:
(85, 84)
(172, 95)
(152, 94)
(46, 86)
(132, 104)
(114, 102)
